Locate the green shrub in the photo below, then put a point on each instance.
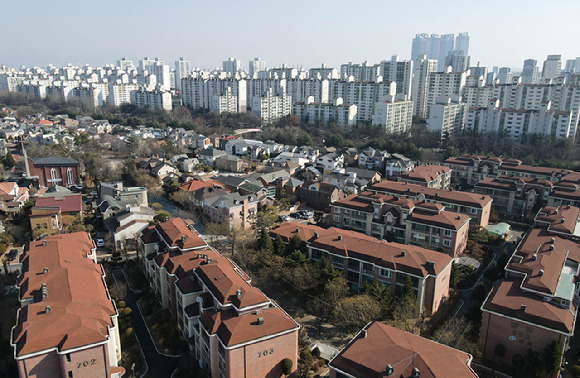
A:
(316, 352)
(129, 331)
(121, 304)
(126, 311)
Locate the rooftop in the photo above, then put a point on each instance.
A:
(378, 346)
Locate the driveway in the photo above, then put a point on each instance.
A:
(160, 366)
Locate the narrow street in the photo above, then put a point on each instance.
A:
(160, 366)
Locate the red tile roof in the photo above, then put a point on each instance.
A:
(177, 234)
(405, 189)
(233, 329)
(67, 204)
(379, 345)
(367, 248)
(80, 308)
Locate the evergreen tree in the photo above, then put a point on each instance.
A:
(279, 247)
(552, 357)
(9, 161)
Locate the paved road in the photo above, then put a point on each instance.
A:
(160, 366)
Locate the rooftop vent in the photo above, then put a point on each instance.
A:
(339, 237)
(430, 264)
(523, 308)
(534, 257)
(44, 242)
(363, 333)
(551, 247)
(389, 370)
(552, 240)
(316, 235)
(403, 253)
(183, 237)
(415, 373)
(436, 194)
(541, 272)
(199, 255)
(44, 291)
(297, 229)
(458, 217)
(47, 309)
(562, 220)
(209, 261)
(204, 256)
(238, 293)
(166, 219)
(260, 320)
(45, 271)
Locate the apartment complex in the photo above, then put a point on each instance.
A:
(67, 325)
(474, 205)
(363, 258)
(430, 176)
(536, 302)
(406, 221)
(396, 116)
(447, 116)
(379, 350)
(313, 112)
(232, 328)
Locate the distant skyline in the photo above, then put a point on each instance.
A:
(306, 33)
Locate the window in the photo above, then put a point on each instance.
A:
(447, 233)
(70, 374)
(386, 273)
(69, 176)
(68, 357)
(53, 176)
(473, 211)
(447, 243)
(336, 218)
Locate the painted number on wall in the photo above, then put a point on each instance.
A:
(265, 352)
(86, 363)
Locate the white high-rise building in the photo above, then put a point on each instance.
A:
(271, 108)
(125, 64)
(311, 112)
(232, 66)
(517, 123)
(530, 72)
(444, 83)
(462, 43)
(504, 75)
(182, 70)
(146, 63)
(225, 103)
(198, 93)
(363, 94)
(162, 73)
(152, 99)
(447, 116)
(552, 67)
(396, 116)
(120, 94)
(572, 66)
(423, 68)
(256, 66)
(323, 73)
(400, 72)
(458, 61)
(360, 72)
(434, 47)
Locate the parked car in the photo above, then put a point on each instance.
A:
(100, 242)
(12, 254)
(283, 218)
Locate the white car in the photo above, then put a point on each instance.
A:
(100, 242)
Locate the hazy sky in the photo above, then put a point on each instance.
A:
(308, 33)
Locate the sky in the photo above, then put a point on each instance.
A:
(307, 33)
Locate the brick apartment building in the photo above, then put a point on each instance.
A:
(232, 328)
(537, 301)
(515, 195)
(318, 195)
(424, 224)
(363, 258)
(54, 170)
(430, 176)
(67, 324)
(379, 350)
(474, 205)
(474, 168)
